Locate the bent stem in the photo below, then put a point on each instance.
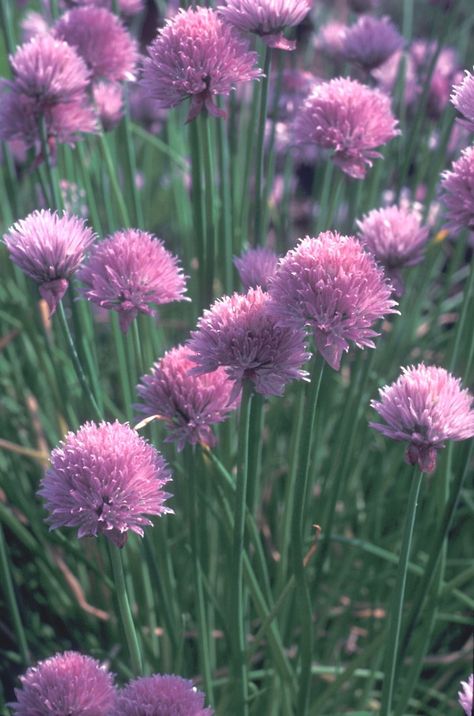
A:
(124, 609)
(396, 608)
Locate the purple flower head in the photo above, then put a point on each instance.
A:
(465, 696)
(294, 87)
(104, 479)
(130, 270)
(266, 18)
(49, 71)
(239, 333)
(256, 267)
(188, 404)
(458, 192)
(102, 40)
(196, 55)
(425, 407)
(371, 41)
(349, 118)
(68, 683)
(463, 99)
(161, 695)
(332, 285)
(108, 100)
(396, 237)
(49, 248)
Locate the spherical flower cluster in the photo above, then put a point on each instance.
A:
(101, 40)
(130, 270)
(196, 55)
(425, 407)
(463, 99)
(396, 237)
(239, 333)
(371, 41)
(458, 192)
(256, 267)
(49, 248)
(266, 18)
(104, 479)
(466, 695)
(108, 100)
(349, 118)
(161, 695)
(32, 25)
(330, 39)
(67, 683)
(332, 285)
(188, 404)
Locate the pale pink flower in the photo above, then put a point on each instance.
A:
(108, 100)
(465, 696)
(463, 99)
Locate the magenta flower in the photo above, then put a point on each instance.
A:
(108, 100)
(101, 40)
(465, 696)
(239, 333)
(458, 192)
(49, 248)
(371, 41)
(49, 71)
(198, 56)
(161, 695)
(396, 237)
(256, 267)
(348, 118)
(67, 683)
(463, 99)
(130, 270)
(332, 285)
(104, 479)
(425, 407)
(266, 18)
(188, 404)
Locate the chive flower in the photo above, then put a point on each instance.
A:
(425, 407)
(348, 118)
(160, 695)
(266, 18)
(457, 195)
(465, 696)
(49, 248)
(239, 333)
(68, 683)
(371, 41)
(463, 99)
(129, 271)
(108, 101)
(196, 55)
(105, 479)
(188, 404)
(330, 284)
(256, 267)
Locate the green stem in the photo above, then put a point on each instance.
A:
(8, 26)
(132, 163)
(51, 170)
(112, 173)
(124, 609)
(237, 597)
(259, 209)
(396, 609)
(297, 532)
(9, 591)
(198, 213)
(209, 206)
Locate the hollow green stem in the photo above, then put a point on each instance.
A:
(209, 205)
(124, 608)
(259, 194)
(9, 592)
(112, 174)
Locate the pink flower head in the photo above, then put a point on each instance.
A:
(458, 192)
(108, 100)
(396, 237)
(49, 71)
(130, 270)
(425, 407)
(102, 40)
(32, 25)
(463, 99)
(256, 267)
(161, 695)
(49, 248)
(349, 118)
(266, 18)
(330, 39)
(332, 285)
(387, 74)
(239, 333)
(188, 404)
(445, 73)
(371, 41)
(104, 479)
(465, 696)
(199, 56)
(67, 683)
